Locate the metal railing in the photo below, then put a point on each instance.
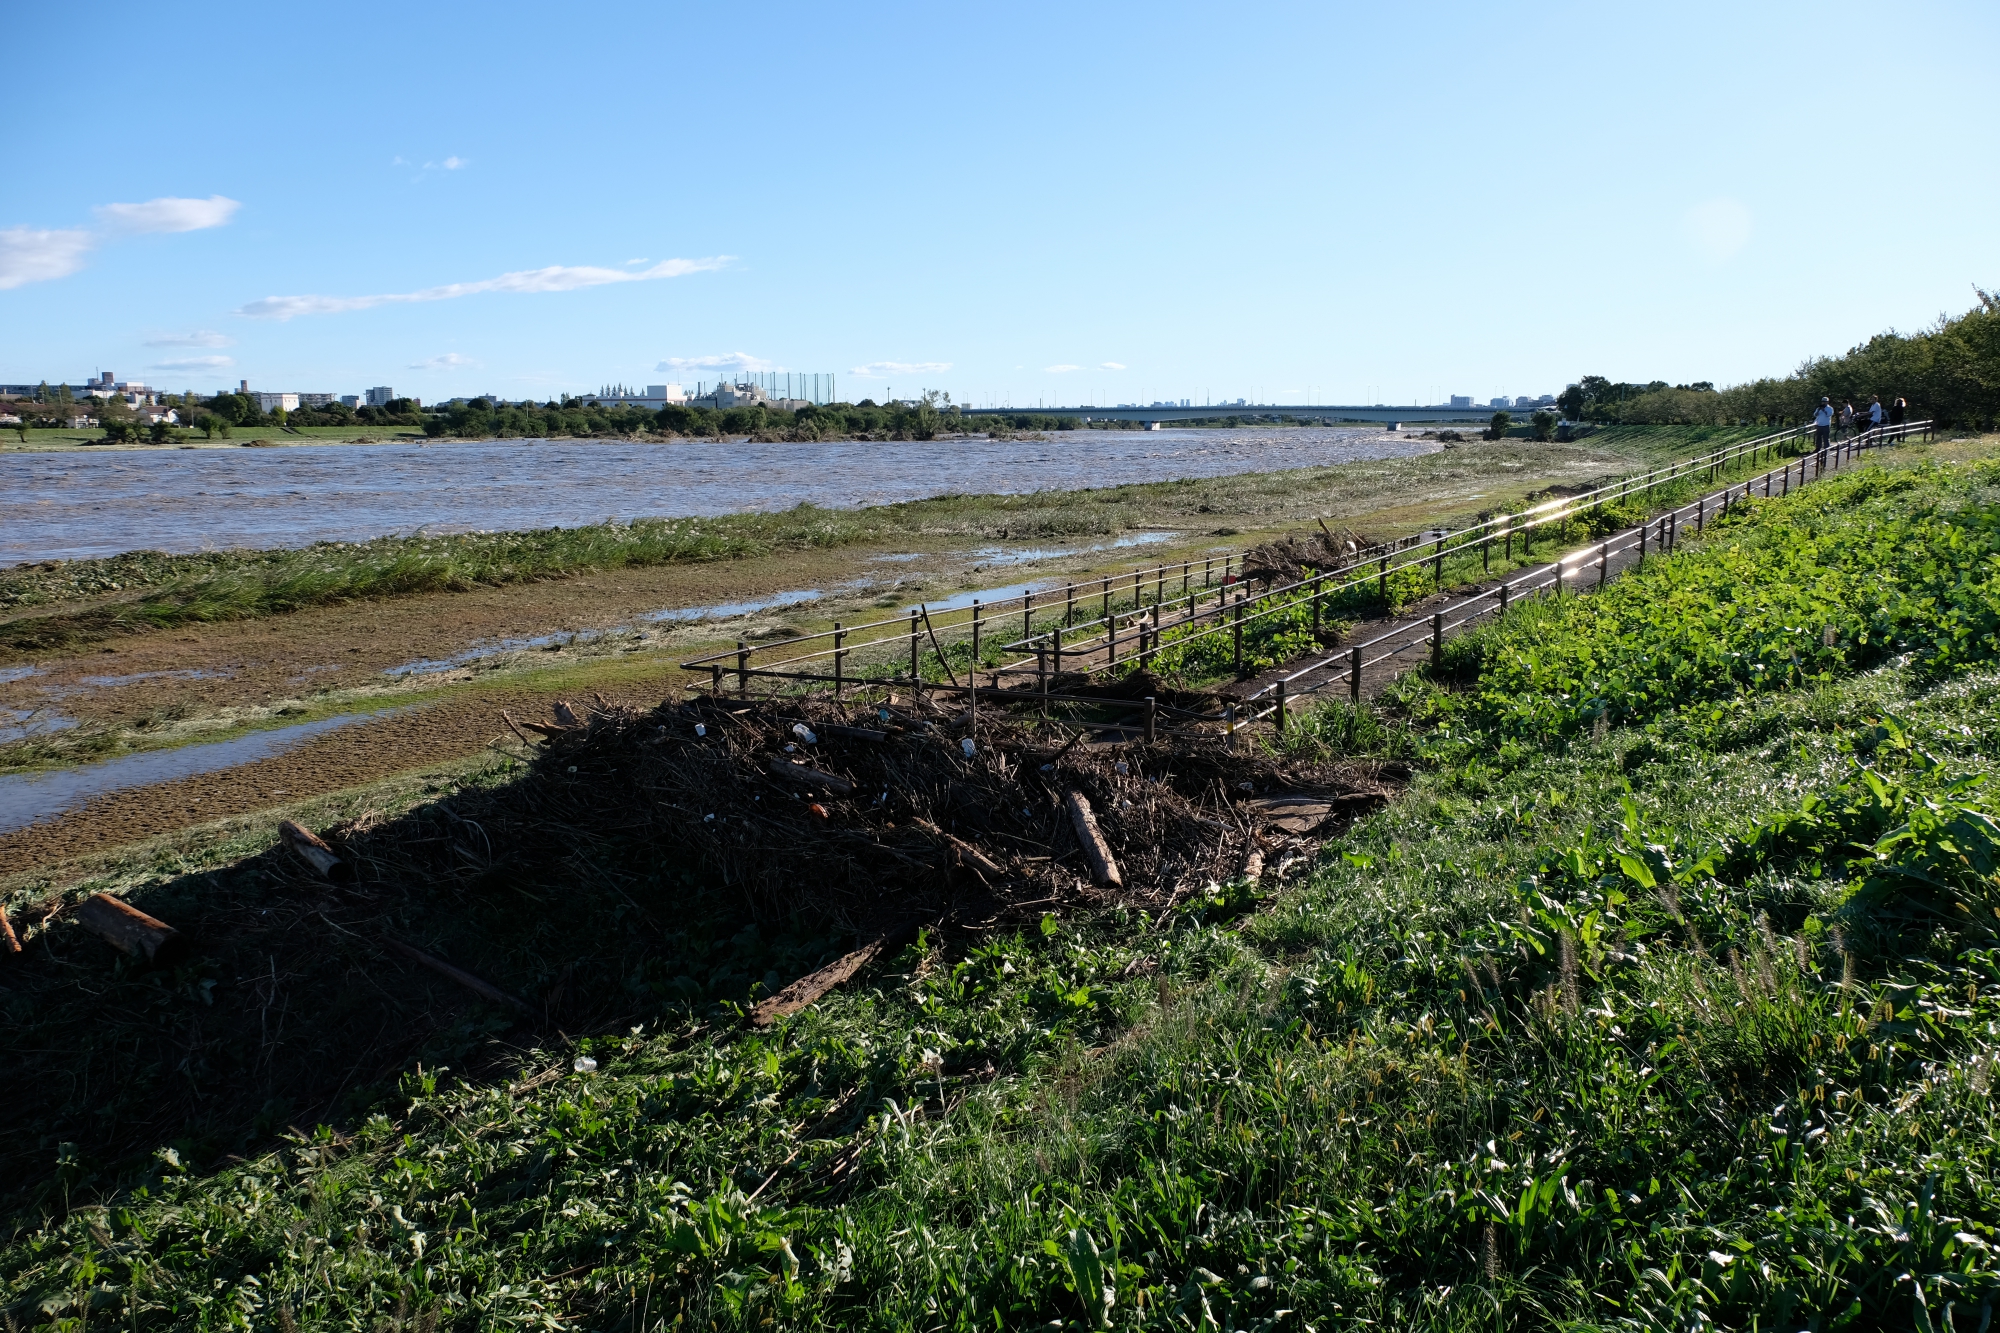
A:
(892, 650)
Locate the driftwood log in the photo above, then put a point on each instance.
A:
(130, 930)
(815, 984)
(476, 985)
(312, 849)
(1103, 866)
(806, 776)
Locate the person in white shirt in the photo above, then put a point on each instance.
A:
(1875, 412)
(1823, 424)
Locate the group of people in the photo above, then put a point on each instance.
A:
(1875, 416)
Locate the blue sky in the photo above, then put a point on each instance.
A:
(1012, 203)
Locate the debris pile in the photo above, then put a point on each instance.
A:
(877, 814)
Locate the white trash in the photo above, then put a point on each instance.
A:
(584, 1065)
(968, 747)
(804, 733)
(700, 729)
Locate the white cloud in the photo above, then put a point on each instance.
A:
(877, 369)
(1061, 370)
(726, 361)
(445, 361)
(1719, 227)
(168, 214)
(1110, 365)
(198, 338)
(27, 255)
(195, 363)
(640, 260)
(454, 163)
(555, 278)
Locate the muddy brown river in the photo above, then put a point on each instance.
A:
(77, 504)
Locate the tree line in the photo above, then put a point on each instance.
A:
(927, 418)
(1949, 373)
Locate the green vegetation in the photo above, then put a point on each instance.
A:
(1949, 372)
(1672, 1013)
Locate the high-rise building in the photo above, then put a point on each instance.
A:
(381, 396)
(1461, 400)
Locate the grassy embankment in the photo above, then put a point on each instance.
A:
(1666, 995)
(146, 590)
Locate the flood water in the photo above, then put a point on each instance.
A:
(28, 797)
(71, 505)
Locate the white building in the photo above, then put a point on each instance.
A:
(653, 399)
(271, 402)
(315, 399)
(380, 396)
(726, 396)
(1461, 400)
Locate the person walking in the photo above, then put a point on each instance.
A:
(1897, 411)
(1846, 420)
(1823, 424)
(1875, 412)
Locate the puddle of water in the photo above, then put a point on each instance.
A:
(717, 611)
(897, 559)
(190, 673)
(723, 610)
(958, 601)
(1022, 555)
(26, 798)
(8, 675)
(18, 724)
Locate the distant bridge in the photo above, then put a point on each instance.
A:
(1253, 410)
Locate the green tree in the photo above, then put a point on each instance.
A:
(1544, 423)
(1572, 401)
(1497, 428)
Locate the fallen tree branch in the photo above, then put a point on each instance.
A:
(815, 984)
(312, 849)
(474, 984)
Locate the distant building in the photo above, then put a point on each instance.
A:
(653, 399)
(351, 399)
(271, 402)
(725, 396)
(315, 399)
(1461, 400)
(381, 396)
(1500, 403)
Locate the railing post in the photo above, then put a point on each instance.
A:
(975, 632)
(1603, 562)
(1643, 529)
(1111, 640)
(1700, 514)
(742, 667)
(1152, 715)
(1437, 564)
(1208, 572)
(1505, 589)
(715, 680)
(1055, 644)
(1107, 598)
(1239, 634)
(1353, 690)
(839, 657)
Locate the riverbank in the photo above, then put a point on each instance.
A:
(1527, 1013)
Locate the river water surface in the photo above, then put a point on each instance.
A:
(71, 505)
